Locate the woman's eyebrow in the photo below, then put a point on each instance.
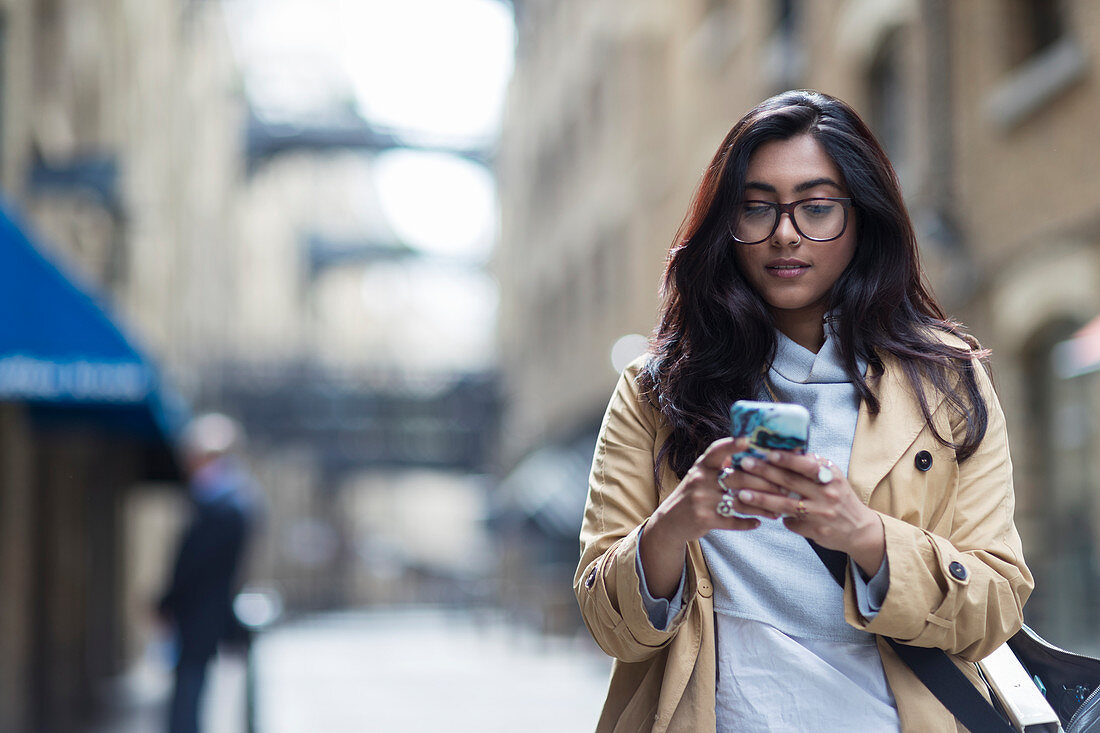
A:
(807, 185)
(804, 186)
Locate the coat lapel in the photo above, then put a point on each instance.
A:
(881, 440)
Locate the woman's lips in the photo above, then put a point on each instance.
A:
(786, 271)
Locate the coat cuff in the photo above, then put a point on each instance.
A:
(628, 582)
(660, 610)
(906, 607)
(870, 592)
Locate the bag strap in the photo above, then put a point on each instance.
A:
(934, 668)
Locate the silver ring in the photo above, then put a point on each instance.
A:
(725, 507)
(724, 474)
(824, 474)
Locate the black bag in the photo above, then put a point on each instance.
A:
(1070, 682)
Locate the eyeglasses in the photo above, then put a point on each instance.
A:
(819, 219)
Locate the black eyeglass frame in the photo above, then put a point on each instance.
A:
(788, 209)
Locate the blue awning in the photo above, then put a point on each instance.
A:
(62, 354)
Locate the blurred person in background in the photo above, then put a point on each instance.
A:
(198, 603)
(795, 278)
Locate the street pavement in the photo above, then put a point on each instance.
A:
(394, 670)
(425, 670)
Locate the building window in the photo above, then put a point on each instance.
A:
(783, 58)
(1041, 57)
(886, 111)
(786, 18)
(1034, 26)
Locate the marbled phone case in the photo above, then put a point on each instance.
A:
(769, 425)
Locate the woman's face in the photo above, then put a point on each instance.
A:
(794, 275)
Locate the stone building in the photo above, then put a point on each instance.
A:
(233, 249)
(986, 109)
(117, 140)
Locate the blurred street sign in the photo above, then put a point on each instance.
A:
(1081, 353)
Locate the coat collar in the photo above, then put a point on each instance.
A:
(881, 440)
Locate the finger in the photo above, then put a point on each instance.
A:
(725, 515)
(738, 523)
(807, 465)
(753, 508)
(717, 453)
(796, 525)
(756, 511)
(760, 484)
(784, 478)
(734, 481)
(740, 445)
(757, 501)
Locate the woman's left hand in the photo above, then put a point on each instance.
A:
(829, 513)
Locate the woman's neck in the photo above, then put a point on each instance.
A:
(806, 330)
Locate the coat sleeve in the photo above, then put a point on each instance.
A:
(964, 592)
(622, 494)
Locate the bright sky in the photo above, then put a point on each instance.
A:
(434, 70)
(437, 66)
(443, 204)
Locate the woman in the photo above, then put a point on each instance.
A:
(795, 278)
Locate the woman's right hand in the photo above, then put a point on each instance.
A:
(690, 511)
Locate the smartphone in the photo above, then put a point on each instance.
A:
(769, 426)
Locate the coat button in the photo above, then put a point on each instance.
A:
(957, 570)
(591, 579)
(706, 590)
(923, 460)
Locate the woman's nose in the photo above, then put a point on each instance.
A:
(785, 231)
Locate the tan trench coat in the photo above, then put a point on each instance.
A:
(664, 680)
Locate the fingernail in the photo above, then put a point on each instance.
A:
(773, 456)
(747, 462)
(744, 495)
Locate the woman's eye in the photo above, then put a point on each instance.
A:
(823, 208)
(756, 211)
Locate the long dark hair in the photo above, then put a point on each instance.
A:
(715, 336)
